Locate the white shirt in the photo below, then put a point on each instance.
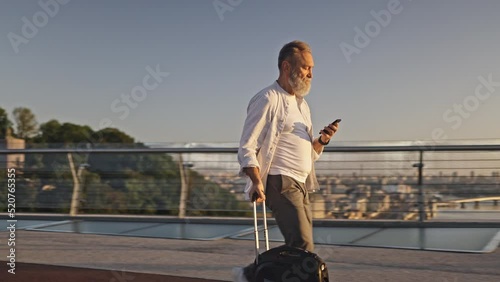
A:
(292, 153)
(264, 124)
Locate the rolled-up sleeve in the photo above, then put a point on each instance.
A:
(316, 155)
(254, 131)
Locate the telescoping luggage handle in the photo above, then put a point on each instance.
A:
(255, 226)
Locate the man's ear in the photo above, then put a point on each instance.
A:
(285, 66)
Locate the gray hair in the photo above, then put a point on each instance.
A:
(290, 51)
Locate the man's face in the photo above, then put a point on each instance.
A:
(300, 75)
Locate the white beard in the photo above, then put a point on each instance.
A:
(299, 86)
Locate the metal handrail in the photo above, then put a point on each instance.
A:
(418, 150)
(411, 148)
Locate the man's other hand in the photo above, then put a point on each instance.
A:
(257, 192)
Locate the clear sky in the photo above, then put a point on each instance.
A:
(421, 74)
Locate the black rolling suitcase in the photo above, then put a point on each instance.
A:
(285, 263)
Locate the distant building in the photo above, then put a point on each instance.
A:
(12, 160)
(379, 202)
(401, 188)
(318, 206)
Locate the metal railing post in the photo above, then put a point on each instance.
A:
(184, 189)
(421, 197)
(75, 198)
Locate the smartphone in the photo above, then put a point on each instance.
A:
(335, 122)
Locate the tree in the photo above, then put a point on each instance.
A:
(113, 135)
(146, 183)
(26, 123)
(5, 123)
(49, 132)
(56, 135)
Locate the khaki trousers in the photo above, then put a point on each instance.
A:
(288, 199)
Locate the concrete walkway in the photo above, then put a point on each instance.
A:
(215, 259)
(52, 273)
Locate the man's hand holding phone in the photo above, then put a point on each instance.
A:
(328, 132)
